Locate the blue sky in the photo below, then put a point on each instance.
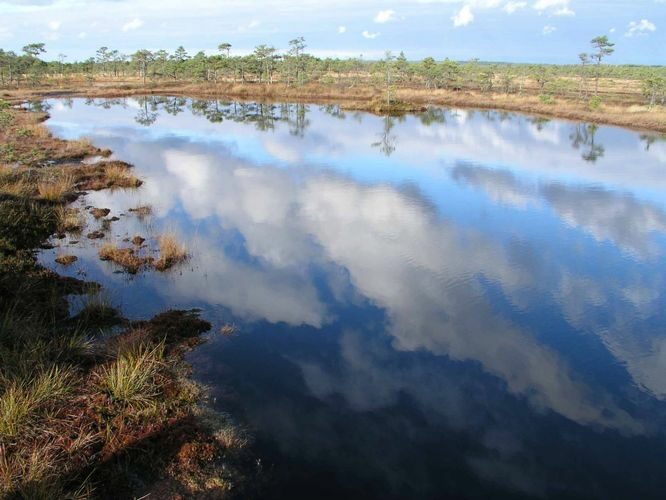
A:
(553, 31)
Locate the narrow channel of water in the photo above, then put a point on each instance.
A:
(455, 303)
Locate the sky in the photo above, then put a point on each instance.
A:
(548, 31)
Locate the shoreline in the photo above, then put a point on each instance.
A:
(86, 398)
(626, 113)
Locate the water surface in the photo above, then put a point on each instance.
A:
(456, 303)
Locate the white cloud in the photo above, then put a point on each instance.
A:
(463, 17)
(642, 27)
(369, 35)
(53, 33)
(5, 33)
(342, 29)
(82, 35)
(612, 30)
(512, 7)
(248, 26)
(548, 29)
(134, 24)
(564, 11)
(554, 7)
(384, 16)
(550, 4)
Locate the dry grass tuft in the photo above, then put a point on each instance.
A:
(138, 240)
(70, 220)
(14, 186)
(37, 130)
(172, 252)
(17, 181)
(142, 211)
(124, 257)
(120, 175)
(98, 213)
(106, 175)
(55, 189)
(82, 144)
(66, 260)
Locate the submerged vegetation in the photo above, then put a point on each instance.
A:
(92, 405)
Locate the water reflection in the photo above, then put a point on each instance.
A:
(387, 142)
(607, 215)
(583, 137)
(456, 308)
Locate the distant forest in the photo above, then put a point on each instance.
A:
(295, 66)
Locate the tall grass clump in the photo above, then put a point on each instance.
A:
(82, 145)
(130, 379)
(172, 252)
(70, 220)
(55, 189)
(23, 399)
(14, 182)
(120, 175)
(37, 130)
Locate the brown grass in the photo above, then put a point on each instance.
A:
(65, 431)
(82, 144)
(57, 188)
(138, 240)
(15, 186)
(98, 213)
(124, 257)
(37, 130)
(121, 176)
(172, 252)
(74, 412)
(618, 96)
(66, 260)
(95, 235)
(70, 220)
(142, 211)
(106, 175)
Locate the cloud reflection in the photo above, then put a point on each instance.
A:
(425, 272)
(271, 218)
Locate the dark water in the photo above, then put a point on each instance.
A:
(455, 304)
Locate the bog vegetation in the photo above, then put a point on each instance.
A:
(586, 79)
(92, 405)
